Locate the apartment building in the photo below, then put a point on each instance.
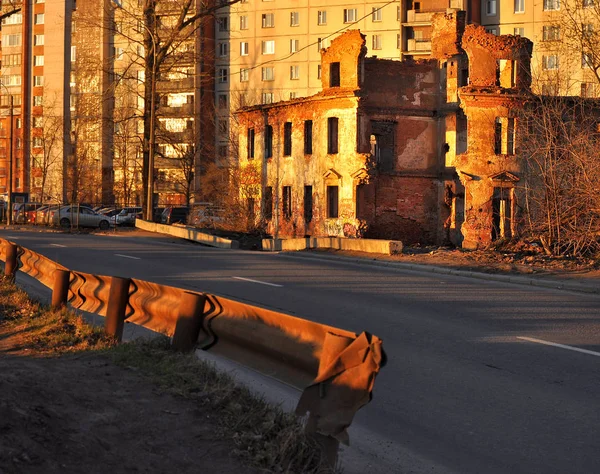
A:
(268, 51)
(34, 77)
(561, 31)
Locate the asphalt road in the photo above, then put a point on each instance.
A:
(472, 385)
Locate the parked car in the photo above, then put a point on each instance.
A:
(110, 211)
(22, 209)
(78, 216)
(174, 215)
(42, 214)
(127, 216)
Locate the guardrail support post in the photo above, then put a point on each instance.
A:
(117, 305)
(10, 265)
(60, 288)
(189, 322)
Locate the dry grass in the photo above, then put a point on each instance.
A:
(266, 437)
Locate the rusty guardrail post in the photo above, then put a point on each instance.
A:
(189, 322)
(60, 288)
(10, 264)
(117, 305)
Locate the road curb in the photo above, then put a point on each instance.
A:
(589, 288)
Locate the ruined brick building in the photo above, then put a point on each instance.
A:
(416, 150)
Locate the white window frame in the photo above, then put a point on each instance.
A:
(268, 47)
(268, 73)
(244, 22)
(38, 60)
(376, 15)
(295, 19)
(294, 72)
(550, 62)
(38, 19)
(350, 15)
(322, 17)
(519, 6)
(268, 20)
(551, 5)
(294, 45)
(490, 7)
(244, 48)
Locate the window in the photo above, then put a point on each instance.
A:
(269, 141)
(293, 95)
(294, 72)
(223, 49)
(118, 53)
(268, 73)
(10, 80)
(376, 15)
(492, 30)
(222, 127)
(589, 3)
(332, 135)
(519, 31)
(334, 74)
(588, 89)
(308, 140)
(268, 20)
(222, 151)
(398, 41)
(519, 6)
(244, 47)
(551, 33)
(318, 71)
(308, 204)
(551, 5)
(510, 136)
(587, 30)
(376, 41)
(38, 81)
(398, 14)
(550, 62)
(350, 15)
(268, 47)
(332, 202)
(268, 203)
(321, 17)
(490, 7)
(222, 24)
(11, 40)
(38, 60)
(251, 137)
(287, 139)
(287, 202)
(268, 98)
(38, 40)
(294, 45)
(549, 89)
(223, 75)
(587, 60)
(295, 19)
(222, 101)
(14, 19)
(11, 60)
(37, 142)
(38, 100)
(19, 121)
(244, 22)
(38, 19)
(244, 75)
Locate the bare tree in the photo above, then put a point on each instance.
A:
(47, 141)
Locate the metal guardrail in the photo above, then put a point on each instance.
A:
(336, 369)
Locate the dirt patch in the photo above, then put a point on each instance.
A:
(73, 401)
(520, 260)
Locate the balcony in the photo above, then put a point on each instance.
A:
(185, 110)
(186, 84)
(423, 16)
(419, 46)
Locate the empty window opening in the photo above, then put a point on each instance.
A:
(334, 75)
(332, 135)
(332, 202)
(308, 130)
(287, 139)
(287, 202)
(308, 204)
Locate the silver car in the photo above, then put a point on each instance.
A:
(78, 216)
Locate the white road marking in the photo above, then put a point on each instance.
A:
(562, 346)
(58, 245)
(127, 256)
(257, 281)
(11, 236)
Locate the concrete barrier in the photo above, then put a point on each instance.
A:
(188, 233)
(387, 247)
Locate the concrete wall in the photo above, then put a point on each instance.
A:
(387, 247)
(188, 234)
